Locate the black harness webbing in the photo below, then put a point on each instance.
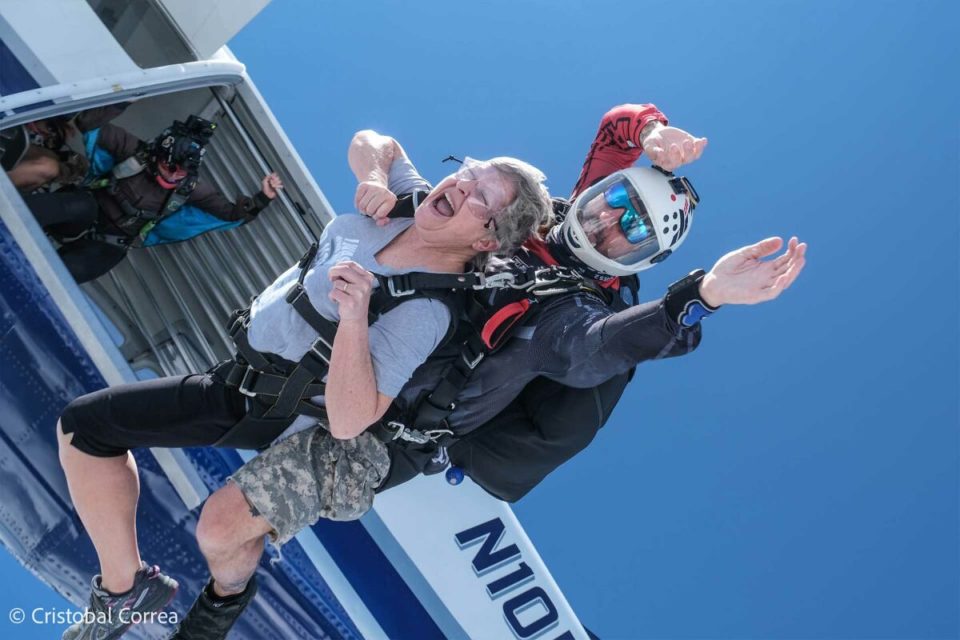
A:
(491, 330)
(541, 282)
(432, 411)
(279, 390)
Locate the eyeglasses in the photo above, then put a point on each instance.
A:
(480, 198)
(634, 220)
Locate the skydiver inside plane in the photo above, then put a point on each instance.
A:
(133, 194)
(36, 154)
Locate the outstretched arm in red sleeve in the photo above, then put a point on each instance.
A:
(618, 142)
(628, 130)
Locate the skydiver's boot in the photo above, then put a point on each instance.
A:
(110, 615)
(211, 617)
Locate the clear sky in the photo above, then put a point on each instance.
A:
(797, 476)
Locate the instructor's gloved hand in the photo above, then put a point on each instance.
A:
(743, 277)
(375, 200)
(352, 285)
(670, 148)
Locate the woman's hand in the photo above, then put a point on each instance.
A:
(352, 286)
(375, 200)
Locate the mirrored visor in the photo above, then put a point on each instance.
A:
(618, 225)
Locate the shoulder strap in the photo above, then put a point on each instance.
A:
(491, 329)
(298, 298)
(386, 297)
(527, 283)
(128, 168)
(286, 384)
(408, 284)
(284, 387)
(179, 196)
(540, 281)
(407, 204)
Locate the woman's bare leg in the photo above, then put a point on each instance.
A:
(105, 493)
(231, 539)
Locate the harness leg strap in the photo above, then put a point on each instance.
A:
(253, 432)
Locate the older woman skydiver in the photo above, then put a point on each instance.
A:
(488, 207)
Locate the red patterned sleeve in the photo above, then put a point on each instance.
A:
(617, 145)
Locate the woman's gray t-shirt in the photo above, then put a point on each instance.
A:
(400, 340)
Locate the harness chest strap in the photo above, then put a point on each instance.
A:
(433, 410)
(539, 281)
(282, 388)
(315, 363)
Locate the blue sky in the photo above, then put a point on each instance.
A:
(797, 476)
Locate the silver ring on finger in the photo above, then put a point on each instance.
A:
(346, 285)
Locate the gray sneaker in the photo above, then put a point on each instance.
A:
(109, 616)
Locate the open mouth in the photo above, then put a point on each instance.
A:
(443, 206)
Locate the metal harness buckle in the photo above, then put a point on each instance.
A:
(548, 276)
(472, 364)
(240, 323)
(496, 281)
(320, 354)
(295, 292)
(542, 277)
(403, 432)
(395, 290)
(249, 376)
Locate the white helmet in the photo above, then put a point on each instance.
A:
(630, 220)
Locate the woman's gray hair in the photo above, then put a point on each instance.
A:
(530, 209)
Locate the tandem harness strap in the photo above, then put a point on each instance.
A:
(541, 282)
(280, 390)
(488, 330)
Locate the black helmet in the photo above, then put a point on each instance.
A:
(178, 151)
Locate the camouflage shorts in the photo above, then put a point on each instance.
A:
(312, 475)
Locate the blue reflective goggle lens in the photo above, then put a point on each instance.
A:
(632, 222)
